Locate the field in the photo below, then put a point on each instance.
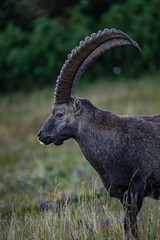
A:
(52, 193)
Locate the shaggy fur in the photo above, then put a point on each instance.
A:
(124, 150)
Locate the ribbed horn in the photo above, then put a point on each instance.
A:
(83, 56)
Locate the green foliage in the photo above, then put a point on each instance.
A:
(35, 38)
(139, 19)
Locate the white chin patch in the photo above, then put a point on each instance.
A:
(40, 141)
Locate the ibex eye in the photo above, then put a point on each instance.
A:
(59, 115)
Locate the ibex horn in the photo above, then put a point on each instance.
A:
(82, 57)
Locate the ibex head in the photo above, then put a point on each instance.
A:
(67, 110)
(61, 124)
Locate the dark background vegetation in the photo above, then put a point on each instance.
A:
(36, 36)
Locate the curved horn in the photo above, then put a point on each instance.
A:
(83, 56)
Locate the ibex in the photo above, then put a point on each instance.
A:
(124, 150)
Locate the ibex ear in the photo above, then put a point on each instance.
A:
(77, 106)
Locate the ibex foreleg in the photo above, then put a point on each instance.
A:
(132, 203)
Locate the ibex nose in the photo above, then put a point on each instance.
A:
(43, 138)
(39, 133)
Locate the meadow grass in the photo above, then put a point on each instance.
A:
(49, 192)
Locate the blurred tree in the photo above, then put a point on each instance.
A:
(37, 35)
(10, 10)
(23, 11)
(97, 8)
(140, 20)
(51, 8)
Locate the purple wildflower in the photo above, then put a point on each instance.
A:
(45, 186)
(65, 196)
(43, 205)
(106, 222)
(66, 223)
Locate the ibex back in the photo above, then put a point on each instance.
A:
(124, 150)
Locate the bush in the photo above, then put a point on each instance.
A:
(140, 20)
(33, 58)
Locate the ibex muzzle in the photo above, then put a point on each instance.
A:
(124, 150)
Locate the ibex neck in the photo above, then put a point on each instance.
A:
(98, 136)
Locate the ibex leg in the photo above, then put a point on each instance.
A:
(132, 203)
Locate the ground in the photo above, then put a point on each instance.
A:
(49, 192)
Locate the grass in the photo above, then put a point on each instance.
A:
(49, 192)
